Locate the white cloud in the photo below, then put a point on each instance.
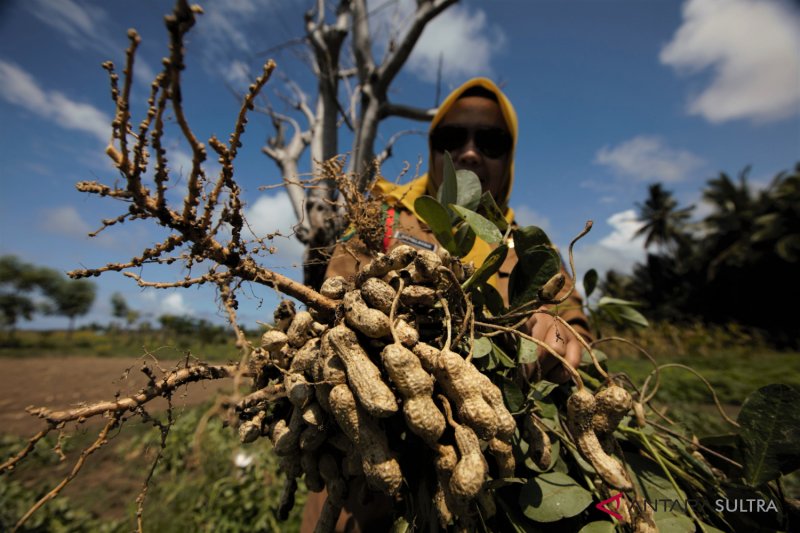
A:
(618, 250)
(86, 26)
(173, 304)
(227, 30)
(527, 216)
(271, 213)
(18, 87)
(65, 221)
(647, 158)
(753, 48)
(460, 36)
(238, 74)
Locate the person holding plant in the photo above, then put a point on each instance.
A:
(477, 125)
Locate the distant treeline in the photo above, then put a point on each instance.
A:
(740, 263)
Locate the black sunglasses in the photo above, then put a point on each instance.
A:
(491, 142)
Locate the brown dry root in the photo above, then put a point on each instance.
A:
(362, 374)
(380, 467)
(580, 411)
(416, 387)
(539, 447)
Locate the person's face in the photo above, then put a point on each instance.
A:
(475, 113)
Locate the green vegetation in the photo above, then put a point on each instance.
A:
(177, 337)
(26, 289)
(216, 485)
(738, 264)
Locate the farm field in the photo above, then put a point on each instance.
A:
(208, 481)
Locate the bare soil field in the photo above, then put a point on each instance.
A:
(62, 383)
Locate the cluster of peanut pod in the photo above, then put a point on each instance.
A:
(338, 399)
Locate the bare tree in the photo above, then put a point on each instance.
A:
(367, 83)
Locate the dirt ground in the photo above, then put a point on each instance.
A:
(60, 383)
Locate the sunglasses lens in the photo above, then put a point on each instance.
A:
(448, 138)
(493, 143)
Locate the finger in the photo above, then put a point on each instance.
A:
(553, 338)
(573, 351)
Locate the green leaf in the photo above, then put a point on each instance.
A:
(542, 389)
(491, 298)
(490, 265)
(552, 496)
(448, 190)
(528, 237)
(622, 311)
(535, 266)
(586, 359)
(600, 526)
(481, 348)
(435, 215)
(590, 281)
(502, 357)
(482, 227)
(512, 395)
(770, 431)
(465, 239)
(492, 212)
(469, 189)
(527, 351)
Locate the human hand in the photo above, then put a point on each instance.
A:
(544, 327)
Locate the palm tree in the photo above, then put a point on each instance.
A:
(663, 223)
(732, 223)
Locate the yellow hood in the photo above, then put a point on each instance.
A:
(407, 194)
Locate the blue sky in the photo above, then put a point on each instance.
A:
(611, 95)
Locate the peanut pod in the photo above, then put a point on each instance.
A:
(416, 387)
(380, 467)
(362, 374)
(580, 411)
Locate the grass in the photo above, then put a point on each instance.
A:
(194, 488)
(57, 343)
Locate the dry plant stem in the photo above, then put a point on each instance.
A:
(207, 278)
(643, 398)
(393, 310)
(585, 230)
(585, 344)
(9, 465)
(449, 322)
(270, 393)
(229, 300)
(168, 384)
(574, 373)
(705, 381)
(122, 120)
(164, 429)
(102, 439)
